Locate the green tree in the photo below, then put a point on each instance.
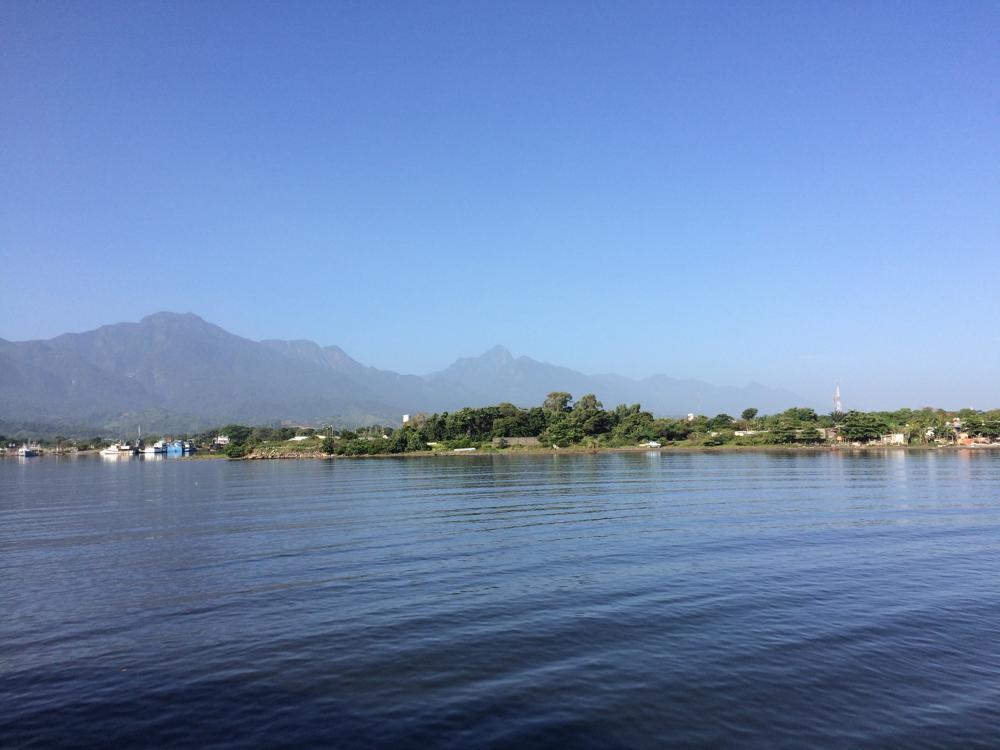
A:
(721, 422)
(414, 442)
(396, 442)
(236, 450)
(562, 431)
(587, 403)
(859, 427)
(800, 414)
(631, 423)
(782, 433)
(748, 414)
(809, 435)
(589, 416)
(673, 429)
(557, 402)
(238, 433)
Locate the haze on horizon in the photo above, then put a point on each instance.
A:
(787, 193)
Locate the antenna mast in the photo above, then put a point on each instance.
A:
(838, 406)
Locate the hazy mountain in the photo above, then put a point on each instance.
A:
(525, 381)
(38, 381)
(411, 393)
(174, 371)
(169, 365)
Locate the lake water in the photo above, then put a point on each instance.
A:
(615, 600)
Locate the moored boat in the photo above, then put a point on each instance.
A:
(119, 449)
(28, 451)
(159, 447)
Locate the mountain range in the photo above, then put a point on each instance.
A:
(179, 372)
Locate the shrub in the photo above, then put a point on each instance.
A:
(236, 450)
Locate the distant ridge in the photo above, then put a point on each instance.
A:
(178, 371)
(525, 381)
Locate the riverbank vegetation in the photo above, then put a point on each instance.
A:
(561, 422)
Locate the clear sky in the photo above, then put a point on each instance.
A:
(793, 193)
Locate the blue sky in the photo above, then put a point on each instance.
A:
(792, 193)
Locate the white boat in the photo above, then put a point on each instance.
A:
(27, 451)
(119, 449)
(158, 447)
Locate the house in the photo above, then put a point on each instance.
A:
(893, 438)
(221, 440)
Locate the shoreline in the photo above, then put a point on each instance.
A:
(788, 449)
(315, 455)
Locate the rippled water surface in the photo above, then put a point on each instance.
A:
(615, 600)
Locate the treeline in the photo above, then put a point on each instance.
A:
(561, 421)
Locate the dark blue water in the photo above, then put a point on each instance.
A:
(630, 600)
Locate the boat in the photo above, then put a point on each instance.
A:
(28, 451)
(159, 447)
(123, 448)
(179, 447)
(119, 449)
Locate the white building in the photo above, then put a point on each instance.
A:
(406, 418)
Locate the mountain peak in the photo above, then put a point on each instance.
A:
(499, 354)
(167, 316)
